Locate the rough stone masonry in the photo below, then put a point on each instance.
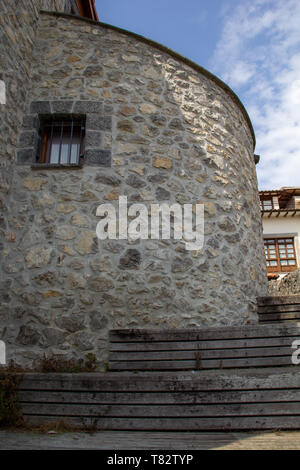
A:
(158, 129)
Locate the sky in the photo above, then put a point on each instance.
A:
(253, 46)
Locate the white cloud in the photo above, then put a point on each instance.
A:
(241, 73)
(258, 56)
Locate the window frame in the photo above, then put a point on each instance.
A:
(75, 124)
(269, 200)
(280, 244)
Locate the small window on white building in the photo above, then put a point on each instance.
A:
(280, 255)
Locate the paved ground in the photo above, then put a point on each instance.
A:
(115, 440)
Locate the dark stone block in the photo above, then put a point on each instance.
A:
(157, 178)
(108, 109)
(28, 139)
(108, 179)
(28, 336)
(135, 182)
(62, 106)
(52, 337)
(162, 194)
(131, 259)
(26, 156)
(114, 76)
(93, 71)
(158, 119)
(96, 122)
(40, 107)
(98, 320)
(93, 139)
(180, 265)
(176, 124)
(235, 238)
(88, 107)
(30, 122)
(97, 157)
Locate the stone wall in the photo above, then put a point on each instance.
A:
(18, 26)
(169, 132)
(287, 285)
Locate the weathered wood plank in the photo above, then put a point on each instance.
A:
(201, 364)
(226, 396)
(279, 317)
(131, 440)
(178, 424)
(286, 378)
(203, 345)
(261, 331)
(203, 354)
(278, 308)
(162, 411)
(279, 300)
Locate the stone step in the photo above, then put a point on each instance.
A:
(279, 309)
(200, 349)
(202, 400)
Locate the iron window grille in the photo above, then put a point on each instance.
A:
(61, 141)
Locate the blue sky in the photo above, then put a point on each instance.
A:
(252, 45)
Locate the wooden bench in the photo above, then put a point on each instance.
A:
(199, 349)
(279, 309)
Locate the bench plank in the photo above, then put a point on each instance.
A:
(164, 397)
(278, 308)
(204, 354)
(279, 300)
(202, 364)
(164, 411)
(288, 378)
(261, 331)
(279, 317)
(203, 345)
(178, 424)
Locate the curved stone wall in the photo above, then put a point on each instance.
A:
(157, 130)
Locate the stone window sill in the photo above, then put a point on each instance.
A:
(53, 166)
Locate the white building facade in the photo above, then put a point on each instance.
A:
(281, 228)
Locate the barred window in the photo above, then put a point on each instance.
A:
(61, 141)
(280, 255)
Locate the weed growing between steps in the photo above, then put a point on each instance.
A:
(10, 409)
(57, 364)
(12, 375)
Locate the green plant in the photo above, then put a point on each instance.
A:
(58, 364)
(91, 362)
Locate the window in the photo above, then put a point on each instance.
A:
(266, 204)
(61, 141)
(280, 255)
